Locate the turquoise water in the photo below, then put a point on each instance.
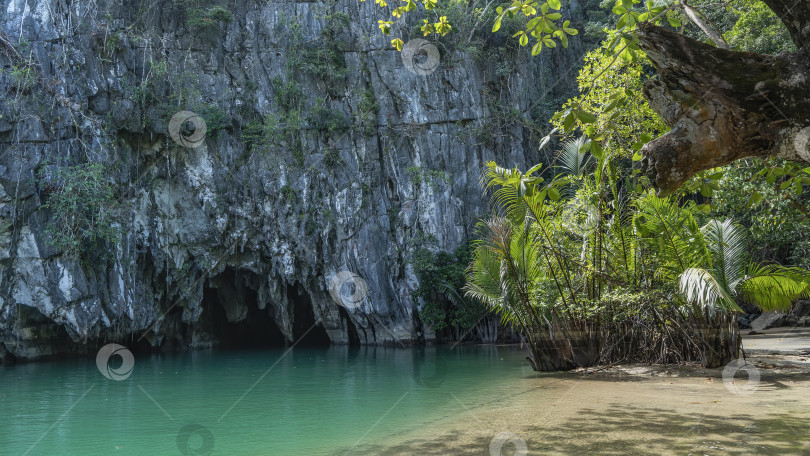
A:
(271, 402)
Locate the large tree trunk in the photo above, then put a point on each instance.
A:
(724, 105)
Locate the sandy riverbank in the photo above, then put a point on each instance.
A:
(635, 409)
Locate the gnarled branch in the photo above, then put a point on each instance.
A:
(722, 105)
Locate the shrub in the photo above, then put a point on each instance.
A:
(205, 22)
(84, 208)
(324, 118)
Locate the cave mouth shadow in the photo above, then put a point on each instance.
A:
(234, 319)
(232, 292)
(306, 331)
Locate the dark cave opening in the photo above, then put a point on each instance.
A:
(257, 328)
(351, 329)
(306, 331)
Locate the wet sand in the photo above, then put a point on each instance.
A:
(633, 410)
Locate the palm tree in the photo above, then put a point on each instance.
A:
(520, 257)
(728, 275)
(644, 281)
(714, 273)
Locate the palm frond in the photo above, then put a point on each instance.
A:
(572, 160)
(774, 287)
(700, 287)
(672, 232)
(729, 250)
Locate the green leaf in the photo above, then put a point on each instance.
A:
(568, 120)
(546, 139)
(596, 150)
(637, 157)
(586, 117)
(627, 56)
(623, 21)
(554, 194)
(532, 23)
(705, 191)
(537, 48)
(534, 169)
(555, 4)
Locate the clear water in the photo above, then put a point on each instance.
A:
(270, 402)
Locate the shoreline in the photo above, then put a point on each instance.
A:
(635, 409)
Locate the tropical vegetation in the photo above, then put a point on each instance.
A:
(593, 271)
(581, 255)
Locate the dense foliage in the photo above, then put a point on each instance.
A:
(591, 257)
(441, 278)
(583, 262)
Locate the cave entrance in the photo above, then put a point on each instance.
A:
(306, 331)
(232, 307)
(351, 329)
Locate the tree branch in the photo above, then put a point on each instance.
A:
(722, 105)
(707, 28)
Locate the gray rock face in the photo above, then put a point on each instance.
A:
(801, 308)
(768, 320)
(312, 164)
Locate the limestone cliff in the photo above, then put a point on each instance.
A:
(322, 154)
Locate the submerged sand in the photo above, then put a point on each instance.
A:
(635, 409)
